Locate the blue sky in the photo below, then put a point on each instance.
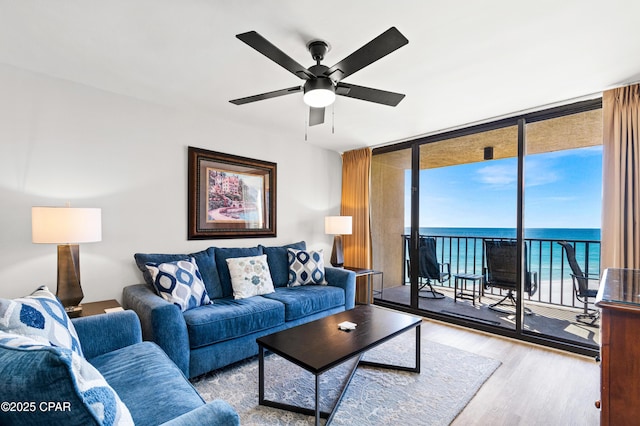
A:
(562, 190)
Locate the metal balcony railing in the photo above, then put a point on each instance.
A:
(545, 257)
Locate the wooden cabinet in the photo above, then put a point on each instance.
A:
(619, 299)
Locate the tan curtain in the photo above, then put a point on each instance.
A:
(621, 178)
(356, 171)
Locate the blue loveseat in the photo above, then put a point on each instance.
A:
(45, 383)
(212, 336)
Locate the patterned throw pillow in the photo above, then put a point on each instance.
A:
(250, 276)
(305, 267)
(90, 386)
(279, 262)
(20, 341)
(41, 317)
(179, 283)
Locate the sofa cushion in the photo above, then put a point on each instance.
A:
(279, 263)
(250, 276)
(222, 254)
(38, 374)
(205, 260)
(148, 382)
(40, 316)
(306, 300)
(229, 318)
(179, 282)
(305, 267)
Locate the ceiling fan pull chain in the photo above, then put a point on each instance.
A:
(306, 127)
(333, 118)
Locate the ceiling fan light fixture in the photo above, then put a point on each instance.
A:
(319, 92)
(319, 98)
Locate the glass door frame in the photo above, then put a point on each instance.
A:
(520, 121)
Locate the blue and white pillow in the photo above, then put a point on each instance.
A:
(250, 276)
(90, 386)
(180, 283)
(20, 341)
(41, 317)
(305, 267)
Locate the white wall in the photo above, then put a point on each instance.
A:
(61, 141)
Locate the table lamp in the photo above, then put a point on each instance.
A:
(337, 226)
(67, 227)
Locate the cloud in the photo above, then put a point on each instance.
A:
(501, 176)
(544, 178)
(539, 172)
(498, 175)
(546, 168)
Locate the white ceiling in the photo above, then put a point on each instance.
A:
(466, 61)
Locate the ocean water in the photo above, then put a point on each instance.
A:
(463, 247)
(557, 234)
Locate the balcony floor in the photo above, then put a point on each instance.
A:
(546, 319)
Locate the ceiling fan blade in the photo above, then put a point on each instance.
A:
(369, 94)
(267, 95)
(265, 47)
(377, 48)
(316, 116)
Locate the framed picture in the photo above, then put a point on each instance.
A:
(230, 196)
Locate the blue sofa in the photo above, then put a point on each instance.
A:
(149, 384)
(212, 336)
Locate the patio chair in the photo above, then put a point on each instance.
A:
(429, 269)
(581, 286)
(501, 272)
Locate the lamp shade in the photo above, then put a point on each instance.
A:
(66, 225)
(337, 225)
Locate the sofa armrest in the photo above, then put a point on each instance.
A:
(162, 323)
(346, 280)
(214, 413)
(100, 334)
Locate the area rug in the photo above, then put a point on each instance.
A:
(448, 380)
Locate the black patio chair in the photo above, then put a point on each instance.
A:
(501, 272)
(581, 286)
(429, 269)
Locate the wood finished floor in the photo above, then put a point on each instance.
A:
(533, 386)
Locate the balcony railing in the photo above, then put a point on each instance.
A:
(544, 256)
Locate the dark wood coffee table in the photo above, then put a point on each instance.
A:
(319, 346)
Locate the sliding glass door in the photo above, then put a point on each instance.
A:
(563, 190)
(467, 195)
(467, 226)
(390, 224)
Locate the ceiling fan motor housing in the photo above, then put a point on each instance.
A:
(323, 87)
(319, 92)
(320, 83)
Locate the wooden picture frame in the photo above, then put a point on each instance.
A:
(230, 196)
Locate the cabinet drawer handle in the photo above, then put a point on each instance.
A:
(598, 404)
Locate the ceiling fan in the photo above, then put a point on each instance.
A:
(323, 83)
